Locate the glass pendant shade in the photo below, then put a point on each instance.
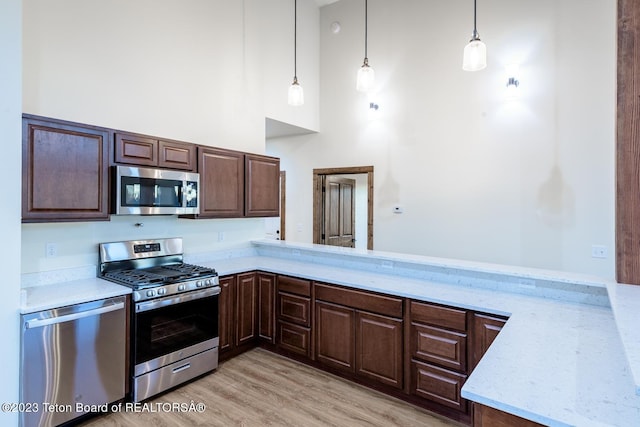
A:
(296, 94)
(366, 78)
(475, 56)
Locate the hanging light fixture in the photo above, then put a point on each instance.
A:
(296, 94)
(366, 75)
(475, 53)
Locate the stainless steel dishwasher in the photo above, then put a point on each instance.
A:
(71, 358)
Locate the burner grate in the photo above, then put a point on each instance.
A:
(159, 275)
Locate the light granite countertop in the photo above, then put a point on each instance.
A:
(559, 360)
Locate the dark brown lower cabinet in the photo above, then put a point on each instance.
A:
(485, 416)
(246, 307)
(226, 311)
(293, 316)
(413, 350)
(335, 336)
(266, 307)
(485, 329)
(379, 348)
(360, 335)
(438, 354)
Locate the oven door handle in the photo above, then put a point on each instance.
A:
(171, 300)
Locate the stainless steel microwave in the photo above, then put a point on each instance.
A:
(149, 191)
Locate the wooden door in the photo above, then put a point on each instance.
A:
(221, 183)
(339, 211)
(246, 308)
(335, 334)
(226, 313)
(379, 348)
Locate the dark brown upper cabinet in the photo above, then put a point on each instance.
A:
(262, 186)
(221, 183)
(64, 171)
(141, 150)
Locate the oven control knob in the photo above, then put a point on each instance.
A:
(209, 282)
(162, 291)
(199, 284)
(181, 287)
(151, 293)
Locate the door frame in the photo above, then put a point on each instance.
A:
(317, 198)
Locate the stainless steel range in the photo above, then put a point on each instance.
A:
(174, 317)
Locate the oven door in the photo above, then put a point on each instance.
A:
(169, 329)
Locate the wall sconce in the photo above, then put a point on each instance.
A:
(512, 81)
(373, 106)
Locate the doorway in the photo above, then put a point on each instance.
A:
(333, 199)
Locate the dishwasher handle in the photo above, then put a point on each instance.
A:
(37, 323)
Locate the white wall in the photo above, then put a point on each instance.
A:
(275, 20)
(529, 182)
(188, 70)
(10, 135)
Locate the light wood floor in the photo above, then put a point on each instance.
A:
(259, 388)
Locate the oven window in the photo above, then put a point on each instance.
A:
(167, 329)
(150, 192)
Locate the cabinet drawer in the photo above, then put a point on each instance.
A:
(294, 338)
(438, 385)
(294, 308)
(445, 317)
(374, 303)
(440, 346)
(294, 285)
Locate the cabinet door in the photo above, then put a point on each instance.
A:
(266, 307)
(262, 186)
(221, 183)
(136, 149)
(335, 336)
(227, 312)
(177, 155)
(64, 171)
(379, 348)
(485, 330)
(246, 307)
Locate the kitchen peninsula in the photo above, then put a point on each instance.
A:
(559, 359)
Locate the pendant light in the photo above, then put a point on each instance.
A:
(475, 53)
(366, 75)
(296, 94)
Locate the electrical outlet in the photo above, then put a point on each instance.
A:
(598, 251)
(51, 250)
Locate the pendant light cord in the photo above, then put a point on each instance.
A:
(366, 20)
(295, 40)
(475, 35)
